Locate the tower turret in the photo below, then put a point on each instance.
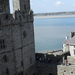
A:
(4, 6)
(22, 5)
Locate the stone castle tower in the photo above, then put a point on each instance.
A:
(17, 51)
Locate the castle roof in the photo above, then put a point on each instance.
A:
(70, 41)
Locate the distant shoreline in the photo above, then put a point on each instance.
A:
(38, 17)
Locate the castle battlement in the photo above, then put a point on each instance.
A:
(17, 49)
(16, 18)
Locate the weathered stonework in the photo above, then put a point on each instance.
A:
(66, 70)
(46, 69)
(17, 31)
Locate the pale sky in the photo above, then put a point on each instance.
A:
(46, 6)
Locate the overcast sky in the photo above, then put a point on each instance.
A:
(43, 6)
(46, 6)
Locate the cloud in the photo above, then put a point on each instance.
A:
(73, 4)
(58, 3)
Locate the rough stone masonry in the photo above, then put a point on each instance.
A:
(17, 51)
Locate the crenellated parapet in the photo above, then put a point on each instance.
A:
(23, 16)
(16, 18)
(16, 39)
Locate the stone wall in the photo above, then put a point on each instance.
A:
(71, 60)
(17, 34)
(8, 64)
(22, 5)
(46, 69)
(4, 6)
(66, 70)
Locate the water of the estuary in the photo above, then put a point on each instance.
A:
(50, 32)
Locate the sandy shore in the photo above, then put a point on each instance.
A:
(37, 17)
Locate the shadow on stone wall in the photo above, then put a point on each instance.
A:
(46, 64)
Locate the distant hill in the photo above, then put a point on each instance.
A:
(55, 13)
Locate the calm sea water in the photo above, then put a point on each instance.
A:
(50, 32)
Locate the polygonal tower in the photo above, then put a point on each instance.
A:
(17, 49)
(22, 5)
(4, 6)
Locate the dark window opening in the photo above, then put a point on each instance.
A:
(21, 73)
(65, 57)
(6, 16)
(5, 58)
(7, 71)
(0, 22)
(50, 74)
(21, 63)
(18, 73)
(34, 74)
(2, 44)
(25, 7)
(27, 18)
(20, 18)
(24, 34)
(71, 72)
(64, 70)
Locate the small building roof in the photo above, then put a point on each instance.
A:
(70, 41)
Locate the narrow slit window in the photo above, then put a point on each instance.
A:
(20, 18)
(21, 73)
(2, 44)
(0, 22)
(6, 16)
(5, 58)
(27, 18)
(21, 63)
(7, 71)
(25, 7)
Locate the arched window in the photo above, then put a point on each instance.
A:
(5, 58)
